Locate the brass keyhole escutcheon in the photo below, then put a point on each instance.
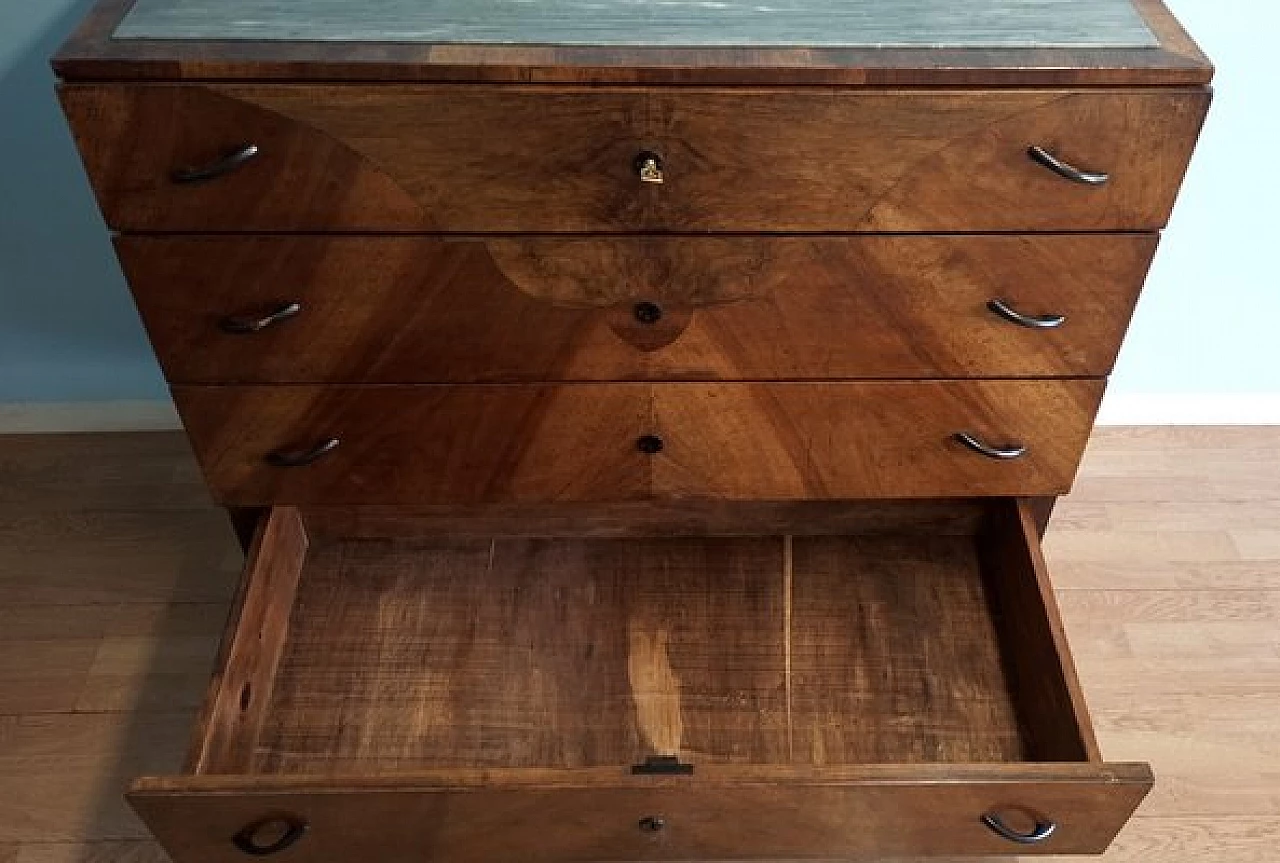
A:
(648, 167)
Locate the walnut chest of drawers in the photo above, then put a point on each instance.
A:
(641, 418)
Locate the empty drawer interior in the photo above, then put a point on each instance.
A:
(894, 645)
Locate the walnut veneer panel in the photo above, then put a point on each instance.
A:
(583, 442)
(431, 309)
(540, 159)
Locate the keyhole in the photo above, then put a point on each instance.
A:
(648, 313)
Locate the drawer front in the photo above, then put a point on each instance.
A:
(299, 309)
(601, 442)
(901, 812)
(540, 160)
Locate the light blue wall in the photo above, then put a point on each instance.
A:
(68, 331)
(1207, 322)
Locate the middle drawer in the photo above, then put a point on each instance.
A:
(596, 442)
(426, 309)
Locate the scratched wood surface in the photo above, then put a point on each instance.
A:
(821, 646)
(115, 574)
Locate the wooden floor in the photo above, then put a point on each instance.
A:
(115, 572)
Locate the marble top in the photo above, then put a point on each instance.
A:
(662, 23)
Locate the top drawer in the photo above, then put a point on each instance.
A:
(531, 159)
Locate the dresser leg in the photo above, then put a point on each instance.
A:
(1041, 509)
(244, 520)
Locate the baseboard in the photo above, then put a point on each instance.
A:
(54, 417)
(1118, 409)
(1190, 409)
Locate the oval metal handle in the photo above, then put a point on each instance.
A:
(1035, 322)
(1065, 170)
(301, 458)
(247, 842)
(246, 324)
(225, 165)
(1003, 453)
(648, 167)
(1043, 830)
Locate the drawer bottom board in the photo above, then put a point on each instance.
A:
(562, 653)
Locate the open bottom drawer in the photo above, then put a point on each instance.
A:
(902, 687)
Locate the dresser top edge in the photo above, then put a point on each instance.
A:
(93, 54)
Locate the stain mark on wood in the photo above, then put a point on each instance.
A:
(654, 687)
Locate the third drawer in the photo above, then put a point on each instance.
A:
(497, 443)
(427, 309)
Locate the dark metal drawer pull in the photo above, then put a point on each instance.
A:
(1035, 322)
(1004, 453)
(1042, 831)
(225, 165)
(247, 842)
(300, 458)
(652, 823)
(648, 167)
(1066, 171)
(246, 324)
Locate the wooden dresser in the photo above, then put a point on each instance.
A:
(641, 417)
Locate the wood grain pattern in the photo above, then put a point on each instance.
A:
(1037, 658)
(428, 309)
(949, 517)
(435, 159)
(130, 165)
(530, 653)
(92, 53)
(236, 704)
(869, 649)
(579, 442)
(903, 810)
(894, 652)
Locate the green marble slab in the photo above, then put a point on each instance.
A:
(663, 23)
